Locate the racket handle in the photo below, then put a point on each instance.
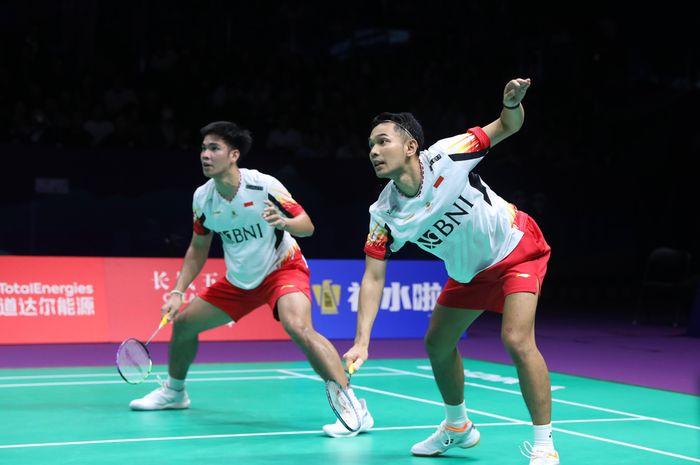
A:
(351, 368)
(163, 322)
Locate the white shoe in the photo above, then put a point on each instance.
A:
(162, 398)
(337, 430)
(447, 437)
(539, 455)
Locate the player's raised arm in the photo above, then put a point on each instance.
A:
(371, 290)
(512, 114)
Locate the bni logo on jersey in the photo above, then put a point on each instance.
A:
(327, 296)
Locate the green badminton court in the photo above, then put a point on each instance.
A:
(272, 413)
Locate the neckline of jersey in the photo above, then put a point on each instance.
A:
(420, 189)
(235, 192)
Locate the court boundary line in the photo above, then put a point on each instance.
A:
(293, 373)
(289, 375)
(165, 373)
(413, 398)
(155, 381)
(224, 436)
(588, 436)
(561, 401)
(515, 420)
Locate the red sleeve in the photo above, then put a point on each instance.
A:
(377, 244)
(286, 205)
(484, 141)
(376, 252)
(198, 226)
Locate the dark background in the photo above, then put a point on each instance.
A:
(102, 103)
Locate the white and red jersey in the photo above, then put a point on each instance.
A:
(455, 216)
(252, 248)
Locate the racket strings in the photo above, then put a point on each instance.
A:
(343, 406)
(133, 361)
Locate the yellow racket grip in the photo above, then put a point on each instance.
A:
(351, 368)
(164, 321)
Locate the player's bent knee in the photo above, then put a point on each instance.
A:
(518, 345)
(183, 327)
(298, 330)
(436, 346)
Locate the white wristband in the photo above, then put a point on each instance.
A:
(175, 291)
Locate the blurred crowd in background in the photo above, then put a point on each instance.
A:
(102, 104)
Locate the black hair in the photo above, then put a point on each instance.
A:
(234, 135)
(403, 120)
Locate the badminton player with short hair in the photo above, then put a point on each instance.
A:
(495, 256)
(256, 218)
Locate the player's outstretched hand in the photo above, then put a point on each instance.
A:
(515, 91)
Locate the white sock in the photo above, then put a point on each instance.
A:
(543, 435)
(176, 384)
(456, 415)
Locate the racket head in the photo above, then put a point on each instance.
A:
(342, 406)
(133, 361)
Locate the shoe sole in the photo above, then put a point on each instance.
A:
(438, 452)
(169, 407)
(350, 434)
(469, 446)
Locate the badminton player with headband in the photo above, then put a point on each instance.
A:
(257, 219)
(495, 255)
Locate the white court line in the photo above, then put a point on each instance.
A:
(113, 374)
(357, 387)
(291, 373)
(81, 375)
(599, 420)
(118, 380)
(104, 375)
(294, 433)
(511, 421)
(627, 444)
(567, 402)
(598, 438)
(164, 438)
(507, 423)
(218, 436)
(294, 375)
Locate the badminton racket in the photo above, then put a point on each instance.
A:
(342, 405)
(133, 358)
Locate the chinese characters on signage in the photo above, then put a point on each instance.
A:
(37, 299)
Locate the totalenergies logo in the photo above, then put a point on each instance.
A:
(327, 296)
